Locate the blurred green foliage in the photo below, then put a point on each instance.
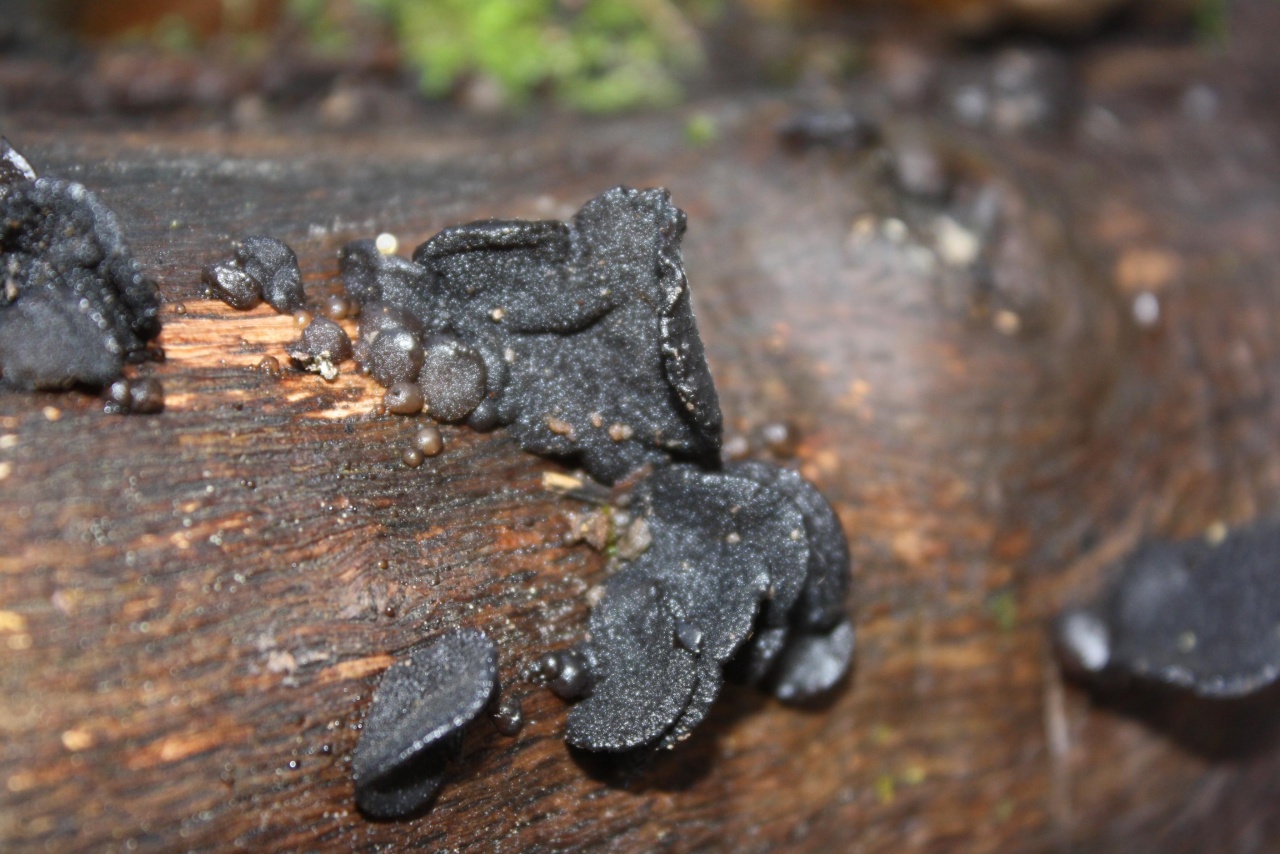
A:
(592, 55)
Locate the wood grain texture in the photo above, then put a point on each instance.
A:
(196, 606)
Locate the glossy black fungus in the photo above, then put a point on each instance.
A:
(1191, 614)
(586, 332)
(820, 603)
(388, 345)
(322, 346)
(453, 379)
(231, 284)
(643, 679)
(842, 129)
(75, 306)
(812, 663)
(415, 719)
(143, 396)
(274, 266)
(507, 715)
(566, 672)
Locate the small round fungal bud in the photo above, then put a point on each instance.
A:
(429, 440)
(336, 307)
(453, 378)
(302, 317)
(118, 397)
(270, 366)
(403, 399)
(572, 675)
(146, 396)
(232, 285)
(412, 458)
(507, 716)
(323, 345)
(386, 243)
(393, 355)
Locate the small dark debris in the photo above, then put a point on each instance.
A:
(415, 721)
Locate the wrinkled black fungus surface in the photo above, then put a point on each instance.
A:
(1195, 615)
(274, 266)
(74, 306)
(231, 284)
(585, 329)
(732, 562)
(415, 718)
(643, 678)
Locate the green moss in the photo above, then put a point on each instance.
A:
(1004, 609)
(593, 55)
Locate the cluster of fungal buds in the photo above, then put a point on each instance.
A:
(1197, 615)
(75, 306)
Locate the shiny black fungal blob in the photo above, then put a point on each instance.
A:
(453, 378)
(68, 280)
(227, 281)
(389, 344)
(507, 715)
(322, 346)
(1192, 614)
(812, 663)
(143, 396)
(416, 718)
(273, 265)
(585, 329)
(643, 677)
(566, 672)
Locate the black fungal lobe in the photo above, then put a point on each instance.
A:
(732, 561)
(453, 379)
(585, 329)
(74, 306)
(1191, 614)
(416, 718)
(643, 678)
(263, 268)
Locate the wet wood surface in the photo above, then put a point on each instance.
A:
(196, 606)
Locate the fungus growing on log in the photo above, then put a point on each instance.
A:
(69, 281)
(416, 718)
(1196, 615)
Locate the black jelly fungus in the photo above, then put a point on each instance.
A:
(507, 715)
(453, 379)
(275, 267)
(403, 399)
(1196, 615)
(813, 663)
(415, 718)
(585, 329)
(69, 280)
(229, 283)
(322, 346)
(643, 679)
(369, 277)
(821, 600)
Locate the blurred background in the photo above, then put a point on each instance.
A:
(354, 58)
